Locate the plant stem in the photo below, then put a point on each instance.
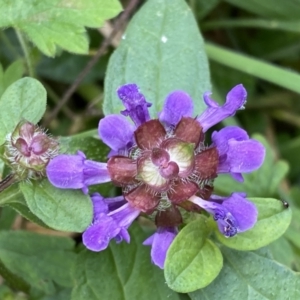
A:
(8, 181)
(26, 52)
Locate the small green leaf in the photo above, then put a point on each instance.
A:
(24, 99)
(11, 74)
(66, 210)
(262, 183)
(193, 261)
(122, 271)
(161, 51)
(252, 276)
(37, 259)
(52, 23)
(273, 221)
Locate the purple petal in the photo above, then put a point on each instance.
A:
(178, 104)
(95, 173)
(66, 171)
(221, 138)
(214, 113)
(226, 222)
(161, 242)
(116, 132)
(244, 156)
(125, 215)
(135, 104)
(75, 172)
(99, 206)
(99, 234)
(244, 211)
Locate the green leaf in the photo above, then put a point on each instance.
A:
(193, 261)
(24, 99)
(66, 210)
(287, 9)
(52, 23)
(122, 271)
(282, 251)
(262, 183)
(252, 276)
(255, 67)
(161, 51)
(87, 142)
(39, 260)
(11, 74)
(273, 221)
(7, 217)
(292, 26)
(292, 234)
(13, 198)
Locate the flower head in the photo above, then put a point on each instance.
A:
(28, 149)
(163, 164)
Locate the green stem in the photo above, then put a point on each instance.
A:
(26, 52)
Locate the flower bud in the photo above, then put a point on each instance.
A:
(28, 149)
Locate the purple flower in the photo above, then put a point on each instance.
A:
(135, 103)
(233, 214)
(237, 153)
(76, 172)
(160, 242)
(112, 217)
(162, 164)
(236, 98)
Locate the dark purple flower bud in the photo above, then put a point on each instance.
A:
(235, 100)
(135, 104)
(109, 223)
(28, 149)
(160, 243)
(76, 172)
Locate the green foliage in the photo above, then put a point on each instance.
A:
(11, 74)
(123, 271)
(193, 261)
(20, 251)
(251, 275)
(161, 51)
(66, 210)
(62, 21)
(273, 221)
(24, 99)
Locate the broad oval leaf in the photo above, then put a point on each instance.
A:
(193, 261)
(66, 210)
(273, 221)
(24, 99)
(38, 259)
(252, 276)
(122, 271)
(52, 23)
(161, 51)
